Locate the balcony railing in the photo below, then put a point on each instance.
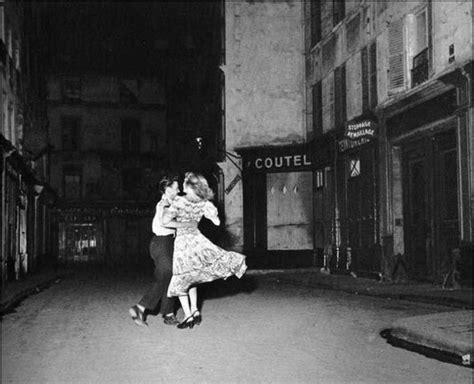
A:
(419, 73)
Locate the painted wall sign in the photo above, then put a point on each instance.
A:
(358, 133)
(232, 184)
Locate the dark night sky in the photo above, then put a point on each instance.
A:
(126, 36)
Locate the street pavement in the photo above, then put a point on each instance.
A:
(449, 330)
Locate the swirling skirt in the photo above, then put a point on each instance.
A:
(198, 260)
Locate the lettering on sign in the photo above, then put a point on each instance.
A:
(232, 184)
(274, 162)
(357, 134)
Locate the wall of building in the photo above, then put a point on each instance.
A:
(118, 185)
(100, 113)
(26, 197)
(264, 95)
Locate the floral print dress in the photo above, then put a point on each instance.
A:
(196, 259)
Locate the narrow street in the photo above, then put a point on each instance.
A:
(257, 330)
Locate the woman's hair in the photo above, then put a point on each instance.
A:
(167, 181)
(199, 185)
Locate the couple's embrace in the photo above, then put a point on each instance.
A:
(183, 256)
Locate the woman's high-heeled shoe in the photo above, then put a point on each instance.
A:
(197, 317)
(187, 323)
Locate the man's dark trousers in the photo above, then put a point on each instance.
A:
(161, 251)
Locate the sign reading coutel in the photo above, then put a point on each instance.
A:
(273, 162)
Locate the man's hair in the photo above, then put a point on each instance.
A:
(199, 184)
(167, 181)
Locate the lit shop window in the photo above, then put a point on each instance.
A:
(354, 167)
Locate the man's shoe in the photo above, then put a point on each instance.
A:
(138, 316)
(170, 320)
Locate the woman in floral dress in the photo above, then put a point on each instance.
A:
(196, 259)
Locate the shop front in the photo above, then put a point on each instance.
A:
(357, 174)
(426, 198)
(278, 206)
(110, 235)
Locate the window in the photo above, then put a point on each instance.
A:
(315, 22)
(369, 77)
(131, 179)
(319, 179)
(340, 110)
(317, 94)
(420, 65)
(70, 133)
(353, 34)
(354, 167)
(2, 23)
(130, 134)
(329, 53)
(72, 182)
(338, 11)
(71, 88)
(222, 32)
(128, 91)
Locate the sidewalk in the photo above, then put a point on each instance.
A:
(16, 291)
(449, 333)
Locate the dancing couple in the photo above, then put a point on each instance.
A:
(183, 256)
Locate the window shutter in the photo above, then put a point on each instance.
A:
(317, 109)
(373, 75)
(396, 55)
(315, 21)
(365, 78)
(340, 96)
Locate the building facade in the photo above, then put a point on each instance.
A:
(109, 146)
(389, 106)
(26, 197)
(267, 174)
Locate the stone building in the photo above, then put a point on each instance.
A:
(109, 138)
(267, 175)
(26, 197)
(389, 106)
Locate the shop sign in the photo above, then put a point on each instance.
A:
(280, 162)
(358, 133)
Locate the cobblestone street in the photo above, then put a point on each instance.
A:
(258, 330)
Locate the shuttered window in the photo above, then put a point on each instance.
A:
(369, 77)
(315, 22)
(71, 134)
(396, 49)
(353, 34)
(317, 94)
(340, 96)
(329, 53)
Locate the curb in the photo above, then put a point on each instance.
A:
(12, 302)
(438, 332)
(450, 302)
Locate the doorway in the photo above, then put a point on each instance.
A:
(430, 201)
